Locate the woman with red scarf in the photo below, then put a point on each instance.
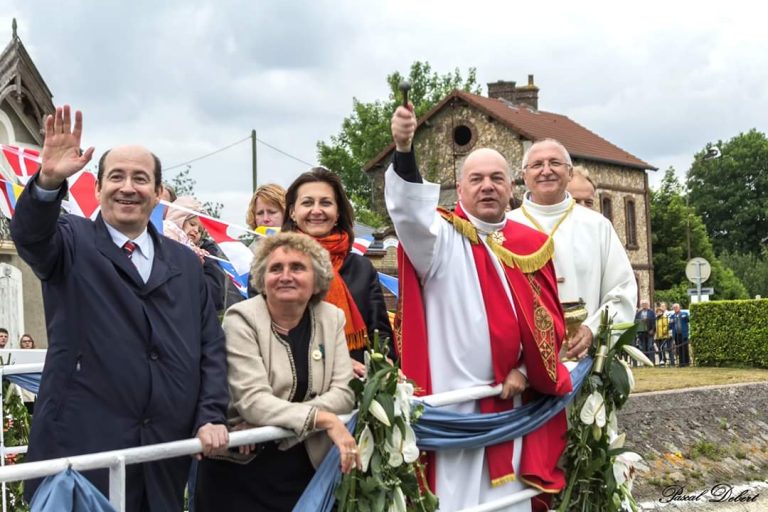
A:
(317, 205)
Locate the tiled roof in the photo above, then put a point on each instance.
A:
(536, 124)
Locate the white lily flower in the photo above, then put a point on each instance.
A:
(398, 501)
(403, 394)
(593, 410)
(630, 376)
(410, 450)
(401, 449)
(624, 468)
(617, 442)
(613, 425)
(365, 445)
(392, 446)
(636, 354)
(378, 412)
(367, 362)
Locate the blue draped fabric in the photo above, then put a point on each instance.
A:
(28, 381)
(389, 282)
(440, 430)
(69, 491)
(320, 494)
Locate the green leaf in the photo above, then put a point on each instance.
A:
(619, 380)
(628, 337)
(371, 388)
(388, 403)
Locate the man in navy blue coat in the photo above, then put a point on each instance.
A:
(136, 354)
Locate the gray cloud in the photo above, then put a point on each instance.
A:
(186, 78)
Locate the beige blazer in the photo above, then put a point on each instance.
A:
(262, 377)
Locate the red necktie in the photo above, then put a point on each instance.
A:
(128, 248)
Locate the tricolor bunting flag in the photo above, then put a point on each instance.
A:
(239, 265)
(9, 194)
(82, 195)
(23, 161)
(360, 244)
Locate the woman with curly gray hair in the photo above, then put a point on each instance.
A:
(288, 367)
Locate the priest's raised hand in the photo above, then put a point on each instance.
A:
(403, 128)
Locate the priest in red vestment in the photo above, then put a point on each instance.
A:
(479, 305)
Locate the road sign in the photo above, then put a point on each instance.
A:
(697, 270)
(704, 291)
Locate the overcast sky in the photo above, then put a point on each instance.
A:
(186, 78)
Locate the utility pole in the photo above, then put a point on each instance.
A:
(253, 150)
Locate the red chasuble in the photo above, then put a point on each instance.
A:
(539, 327)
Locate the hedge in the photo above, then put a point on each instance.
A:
(730, 333)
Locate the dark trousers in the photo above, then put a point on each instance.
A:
(645, 343)
(666, 348)
(682, 350)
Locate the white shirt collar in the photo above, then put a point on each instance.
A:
(142, 241)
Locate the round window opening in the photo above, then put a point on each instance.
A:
(462, 135)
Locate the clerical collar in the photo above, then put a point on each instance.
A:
(481, 225)
(547, 209)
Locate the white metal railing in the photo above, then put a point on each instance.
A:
(116, 460)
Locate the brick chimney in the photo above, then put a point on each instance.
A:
(502, 90)
(527, 95)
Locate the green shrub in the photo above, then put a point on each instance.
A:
(730, 333)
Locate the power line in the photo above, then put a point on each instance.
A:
(285, 153)
(207, 155)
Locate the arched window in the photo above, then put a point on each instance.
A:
(630, 219)
(606, 206)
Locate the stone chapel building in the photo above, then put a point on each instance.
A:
(25, 100)
(509, 120)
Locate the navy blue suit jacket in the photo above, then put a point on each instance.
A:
(129, 363)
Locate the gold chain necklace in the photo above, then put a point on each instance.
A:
(557, 224)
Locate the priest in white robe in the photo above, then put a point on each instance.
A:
(590, 261)
(479, 306)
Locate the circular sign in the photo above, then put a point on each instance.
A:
(697, 270)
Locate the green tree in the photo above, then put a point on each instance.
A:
(730, 192)
(184, 185)
(673, 225)
(366, 131)
(752, 269)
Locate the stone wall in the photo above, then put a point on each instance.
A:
(697, 438)
(32, 296)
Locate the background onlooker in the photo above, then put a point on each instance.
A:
(3, 337)
(267, 207)
(678, 324)
(662, 338)
(646, 320)
(26, 342)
